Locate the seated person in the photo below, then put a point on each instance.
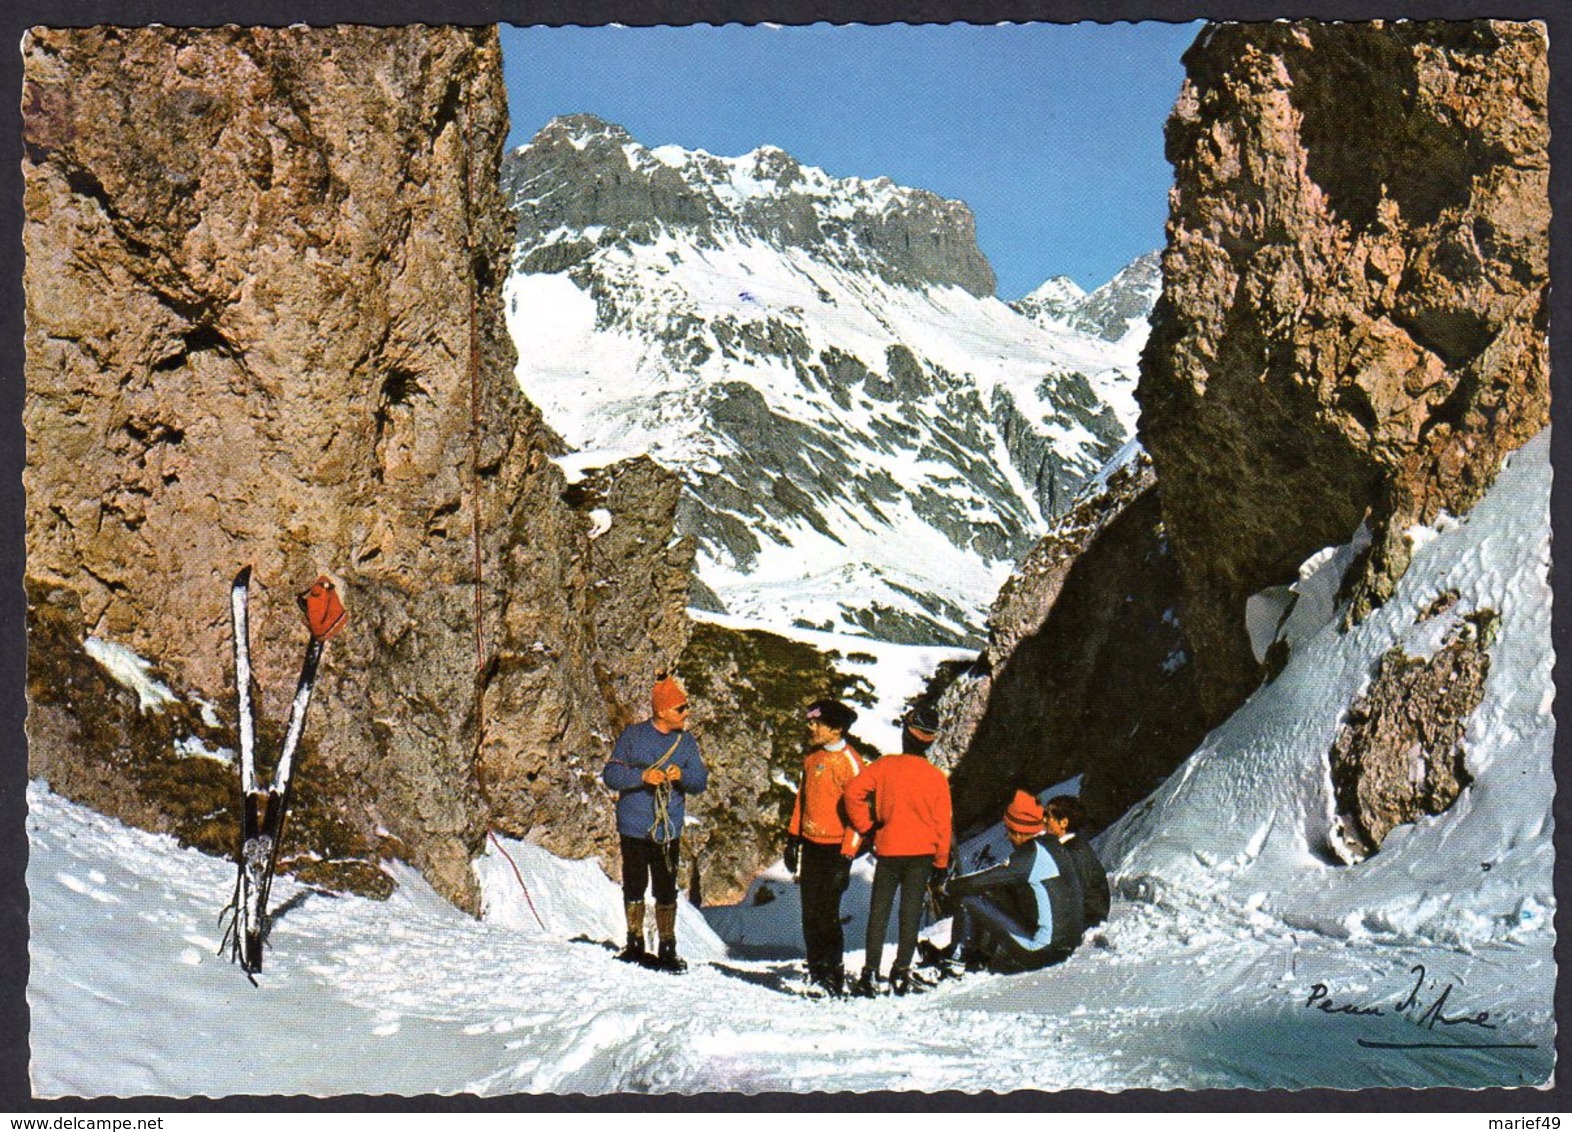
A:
(1024, 914)
(1066, 818)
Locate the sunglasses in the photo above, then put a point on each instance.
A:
(680, 707)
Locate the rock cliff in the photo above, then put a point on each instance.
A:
(1086, 671)
(264, 326)
(1351, 328)
(1353, 318)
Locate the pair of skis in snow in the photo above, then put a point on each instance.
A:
(263, 811)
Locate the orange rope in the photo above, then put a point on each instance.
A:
(520, 875)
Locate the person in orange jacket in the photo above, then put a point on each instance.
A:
(821, 842)
(904, 802)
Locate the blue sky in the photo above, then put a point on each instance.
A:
(1051, 133)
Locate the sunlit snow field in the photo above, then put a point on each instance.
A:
(1225, 922)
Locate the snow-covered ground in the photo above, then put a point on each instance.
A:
(1235, 954)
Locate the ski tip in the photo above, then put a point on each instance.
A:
(243, 579)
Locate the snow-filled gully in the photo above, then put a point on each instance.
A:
(1235, 955)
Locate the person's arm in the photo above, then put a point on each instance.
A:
(620, 773)
(944, 817)
(1017, 870)
(794, 827)
(693, 776)
(855, 799)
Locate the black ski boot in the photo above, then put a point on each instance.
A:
(633, 951)
(941, 961)
(901, 980)
(829, 978)
(867, 984)
(667, 959)
(975, 960)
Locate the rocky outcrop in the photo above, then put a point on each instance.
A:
(1076, 405)
(1354, 308)
(541, 758)
(1125, 301)
(1086, 671)
(1399, 754)
(264, 327)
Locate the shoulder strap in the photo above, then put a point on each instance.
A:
(669, 751)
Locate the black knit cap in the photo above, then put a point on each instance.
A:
(923, 719)
(833, 714)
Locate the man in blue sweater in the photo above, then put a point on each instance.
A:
(653, 767)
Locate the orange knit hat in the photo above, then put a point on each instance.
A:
(668, 694)
(1025, 814)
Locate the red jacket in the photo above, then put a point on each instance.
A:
(905, 800)
(817, 815)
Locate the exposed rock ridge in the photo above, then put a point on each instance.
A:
(264, 327)
(579, 171)
(1354, 307)
(1399, 754)
(1086, 671)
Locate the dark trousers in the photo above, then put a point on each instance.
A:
(654, 863)
(824, 875)
(909, 875)
(983, 929)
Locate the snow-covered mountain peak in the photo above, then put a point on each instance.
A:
(1059, 290)
(870, 438)
(1115, 312)
(580, 131)
(579, 171)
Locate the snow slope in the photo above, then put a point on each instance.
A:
(1235, 954)
(1247, 815)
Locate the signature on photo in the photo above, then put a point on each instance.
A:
(1425, 1007)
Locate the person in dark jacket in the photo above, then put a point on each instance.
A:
(654, 766)
(1027, 913)
(821, 842)
(1066, 818)
(903, 801)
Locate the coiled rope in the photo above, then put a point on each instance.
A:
(663, 793)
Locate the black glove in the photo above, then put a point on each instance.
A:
(793, 854)
(939, 884)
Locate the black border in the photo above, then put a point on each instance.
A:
(15, 19)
